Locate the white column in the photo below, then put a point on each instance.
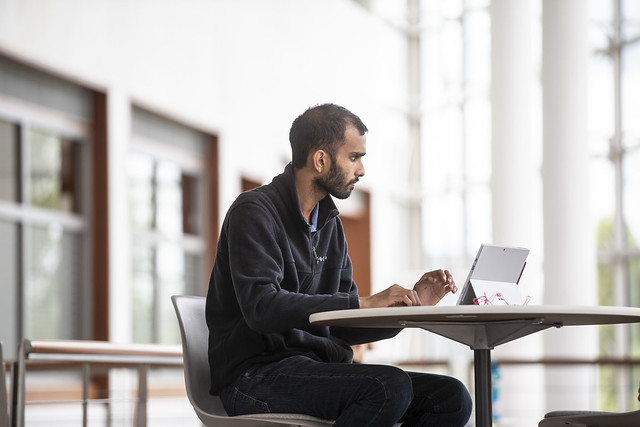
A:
(122, 382)
(569, 247)
(515, 158)
(414, 207)
(119, 134)
(512, 156)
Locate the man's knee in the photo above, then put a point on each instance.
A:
(398, 389)
(441, 400)
(465, 403)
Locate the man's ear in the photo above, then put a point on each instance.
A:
(320, 161)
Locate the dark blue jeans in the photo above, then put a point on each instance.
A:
(350, 394)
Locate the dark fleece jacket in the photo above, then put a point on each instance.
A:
(270, 273)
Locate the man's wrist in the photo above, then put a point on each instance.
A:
(362, 302)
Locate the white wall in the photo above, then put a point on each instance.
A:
(243, 69)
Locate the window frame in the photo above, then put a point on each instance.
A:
(25, 117)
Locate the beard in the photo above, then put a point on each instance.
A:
(335, 183)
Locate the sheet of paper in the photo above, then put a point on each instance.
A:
(496, 293)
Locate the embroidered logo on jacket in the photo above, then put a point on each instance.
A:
(319, 259)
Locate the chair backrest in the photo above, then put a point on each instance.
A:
(195, 344)
(590, 418)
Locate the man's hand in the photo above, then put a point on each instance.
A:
(394, 295)
(434, 285)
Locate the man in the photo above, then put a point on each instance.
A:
(282, 255)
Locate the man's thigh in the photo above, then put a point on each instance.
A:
(302, 385)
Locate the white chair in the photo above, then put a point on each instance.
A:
(195, 341)
(590, 419)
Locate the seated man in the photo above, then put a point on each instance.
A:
(282, 255)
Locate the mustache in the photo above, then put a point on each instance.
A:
(354, 181)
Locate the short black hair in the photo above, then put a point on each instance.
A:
(321, 127)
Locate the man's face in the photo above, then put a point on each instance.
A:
(346, 168)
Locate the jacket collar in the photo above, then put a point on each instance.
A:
(285, 184)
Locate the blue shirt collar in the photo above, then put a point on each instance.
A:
(314, 219)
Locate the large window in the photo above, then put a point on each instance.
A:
(53, 299)
(615, 143)
(44, 221)
(43, 206)
(167, 212)
(457, 129)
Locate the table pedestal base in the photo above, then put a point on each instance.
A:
(482, 373)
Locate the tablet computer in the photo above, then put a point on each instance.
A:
(496, 266)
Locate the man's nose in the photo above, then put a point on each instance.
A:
(360, 171)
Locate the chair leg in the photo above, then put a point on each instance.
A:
(4, 414)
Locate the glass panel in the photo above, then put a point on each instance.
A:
(607, 342)
(169, 199)
(171, 269)
(191, 204)
(477, 33)
(630, 91)
(476, 4)
(442, 53)
(9, 161)
(194, 282)
(143, 279)
(631, 13)
(602, 198)
(141, 191)
(632, 393)
(601, 104)
(443, 226)
(443, 136)
(478, 137)
(53, 283)
(478, 210)
(9, 302)
(450, 9)
(160, 271)
(634, 301)
(53, 172)
(602, 182)
(601, 16)
(432, 82)
(631, 197)
(165, 200)
(608, 380)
